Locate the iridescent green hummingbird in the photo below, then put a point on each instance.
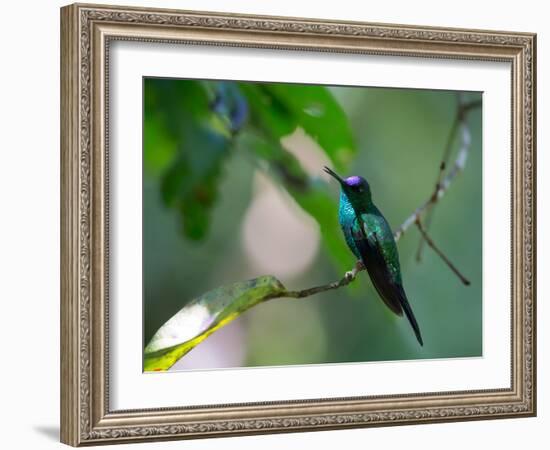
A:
(371, 240)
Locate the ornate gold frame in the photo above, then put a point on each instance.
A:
(86, 31)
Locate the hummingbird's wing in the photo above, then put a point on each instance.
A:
(379, 256)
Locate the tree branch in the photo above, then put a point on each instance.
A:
(436, 249)
(347, 279)
(460, 119)
(442, 186)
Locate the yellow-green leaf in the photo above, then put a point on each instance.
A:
(202, 316)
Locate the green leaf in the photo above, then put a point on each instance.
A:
(320, 115)
(201, 317)
(159, 146)
(267, 112)
(173, 98)
(193, 190)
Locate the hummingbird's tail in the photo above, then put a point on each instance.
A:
(390, 290)
(410, 316)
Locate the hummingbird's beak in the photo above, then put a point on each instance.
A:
(332, 173)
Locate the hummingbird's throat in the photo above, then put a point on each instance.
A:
(358, 203)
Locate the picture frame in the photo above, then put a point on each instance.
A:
(87, 32)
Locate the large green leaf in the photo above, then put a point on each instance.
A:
(320, 115)
(201, 317)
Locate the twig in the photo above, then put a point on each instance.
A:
(440, 173)
(347, 279)
(436, 249)
(460, 118)
(441, 187)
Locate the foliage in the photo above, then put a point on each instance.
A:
(194, 127)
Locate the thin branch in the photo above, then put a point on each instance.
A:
(436, 249)
(460, 118)
(347, 279)
(441, 187)
(442, 166)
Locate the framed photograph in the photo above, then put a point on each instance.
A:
(276, 224)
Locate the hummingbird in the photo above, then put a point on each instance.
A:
(370, 238)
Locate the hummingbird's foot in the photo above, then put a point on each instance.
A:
(351, 274)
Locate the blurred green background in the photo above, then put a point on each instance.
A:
(233, 189)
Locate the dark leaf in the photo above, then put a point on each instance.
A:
(267, 112)
(230, 104)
